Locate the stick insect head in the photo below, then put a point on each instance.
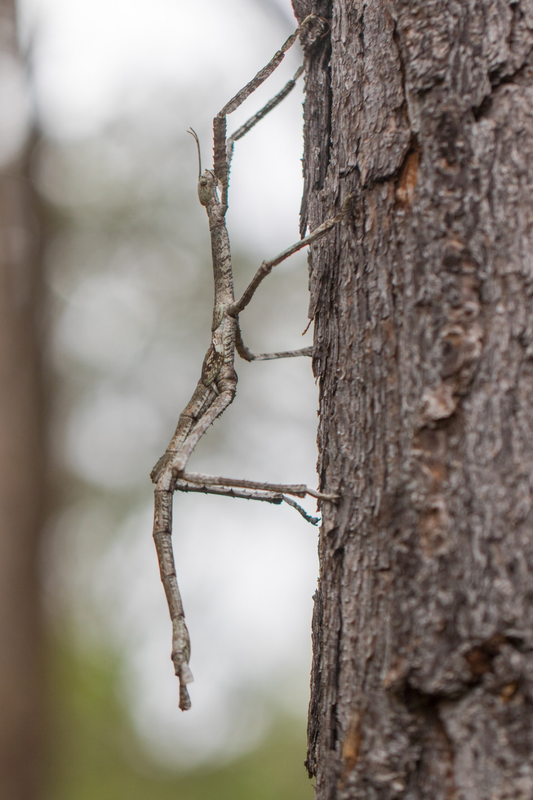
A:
(206, 181)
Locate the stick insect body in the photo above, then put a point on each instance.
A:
(216, 388)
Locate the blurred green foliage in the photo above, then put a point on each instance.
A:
(94, 753)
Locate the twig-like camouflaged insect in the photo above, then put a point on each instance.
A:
(216, 388)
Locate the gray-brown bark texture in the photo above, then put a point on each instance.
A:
(21, 440)
(422, 683)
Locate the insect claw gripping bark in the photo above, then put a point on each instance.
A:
(216, 388)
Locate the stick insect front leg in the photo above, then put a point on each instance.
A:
(216, 388)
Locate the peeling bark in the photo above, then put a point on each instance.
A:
(422, 681)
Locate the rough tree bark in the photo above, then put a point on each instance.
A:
(21, 438)
(422, 682)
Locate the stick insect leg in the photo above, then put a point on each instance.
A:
(261, 114)
(247, 354)
(267, 266)
(247, 494)
(221, 162)
(296, 489)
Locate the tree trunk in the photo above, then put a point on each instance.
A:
(422, 681)
(21, 439)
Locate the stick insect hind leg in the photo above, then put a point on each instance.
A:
(217, 385)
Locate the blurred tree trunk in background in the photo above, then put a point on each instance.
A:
(422, 683)
(22, 462)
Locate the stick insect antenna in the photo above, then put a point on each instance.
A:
(195, 137)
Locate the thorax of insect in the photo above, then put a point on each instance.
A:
(224, 326)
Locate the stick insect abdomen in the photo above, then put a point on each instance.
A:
(202, 398)
(181, 647)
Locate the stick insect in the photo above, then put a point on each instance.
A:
(216, 388)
